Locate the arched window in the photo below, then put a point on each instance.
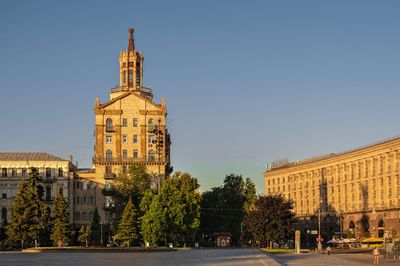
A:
(48, 172)
(4, 214)
(41, 191)
(108, 155)
(150, 121)
(352, 225)
(60, 172)
(151, 156)
(48, 192)
(61, 191)
(381, 223)
(109, 124)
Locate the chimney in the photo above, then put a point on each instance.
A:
(71, 159)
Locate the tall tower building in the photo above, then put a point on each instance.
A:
(130, 126)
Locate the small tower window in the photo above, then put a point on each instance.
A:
(130, 77)
(137, 74)
(150, 122)
(124, 77)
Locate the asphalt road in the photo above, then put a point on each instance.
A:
(229, 257)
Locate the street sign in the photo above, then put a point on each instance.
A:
(314, 232)
(320, 239)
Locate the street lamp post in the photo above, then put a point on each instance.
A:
(101, 232)
(319, 226)
(341, 225)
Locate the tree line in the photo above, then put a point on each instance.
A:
(178, 213)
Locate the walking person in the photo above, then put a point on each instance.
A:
(376, 254)
(328, 250)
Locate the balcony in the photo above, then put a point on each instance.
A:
(108, 207)
(109, 176)
(49, 179)
(108, 191)
(48, 199)
(127, 161)
(126, 88)
(110, 129)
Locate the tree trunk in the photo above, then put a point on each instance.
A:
(22, 244)
(270, 244)
(86, 243)
(59, 242)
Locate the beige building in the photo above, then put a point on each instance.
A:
(130, 128)
(56, 175)
(358, 190)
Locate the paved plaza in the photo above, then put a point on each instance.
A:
(234, 257)
(237, 257)
(354, 259)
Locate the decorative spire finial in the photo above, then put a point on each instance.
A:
(131, 44)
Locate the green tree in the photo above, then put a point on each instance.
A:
(84, 234)
(147, 200)
(27, 211)
(250, 194)
(174, 213)
(132, 185)
(128, 230)
(95, 228)
(61, 226)
(271, 219)
(223, 207)
(45, 233)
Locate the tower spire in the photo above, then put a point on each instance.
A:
(131, 44)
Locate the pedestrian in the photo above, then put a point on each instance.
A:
(376, 254)
(328, 250)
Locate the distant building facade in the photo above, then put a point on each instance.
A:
(356, 191)
(56, 175)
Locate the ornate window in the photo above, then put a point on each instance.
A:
(151, 156)
(48, 192)
(135, 122)
(109, 124)
(4, 214)
(108, 155)
(48, 172)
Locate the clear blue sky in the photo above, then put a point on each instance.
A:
(245, 82)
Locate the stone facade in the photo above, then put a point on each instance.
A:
(56, 174)
(358, 190)
(130, 129)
